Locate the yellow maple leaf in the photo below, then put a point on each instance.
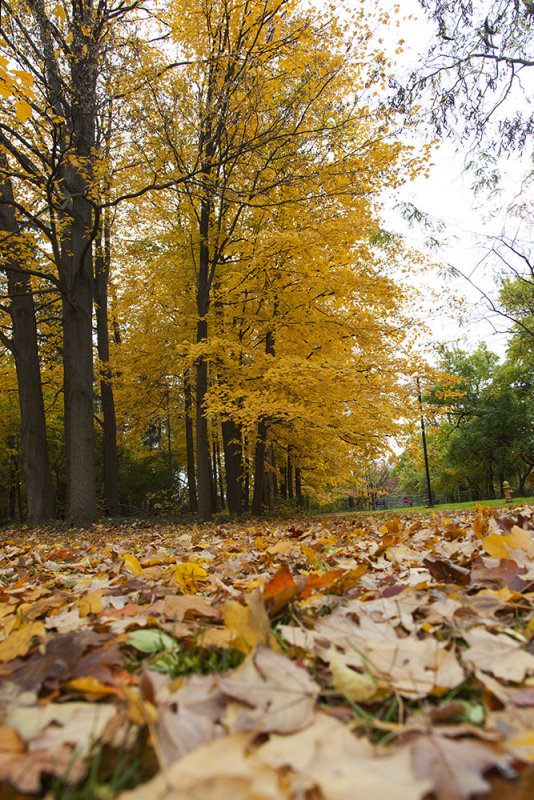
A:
(494, 546)
(498, 546)
(250, 624)
(90, 604)
(131, 563)
(309, 552)
(18, 642)
(519, 539)
(187, 575)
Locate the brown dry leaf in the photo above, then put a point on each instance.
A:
(221, 770)
(177, 733)
(516, 727)
(276, 694)
(25, 772)
(67, 620)
(446, 572)
(413, 667)
(77, 723)
(299, 750)
(179, 606)
(455, 768)
(284, 548)
(343, 766)
(341, 777)
(497, 654)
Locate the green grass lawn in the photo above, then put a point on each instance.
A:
(456, 506)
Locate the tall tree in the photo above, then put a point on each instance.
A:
(261, 108)
(16, 253)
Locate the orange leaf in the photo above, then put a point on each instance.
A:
(10, 741)
(320, 581)
(279, 590)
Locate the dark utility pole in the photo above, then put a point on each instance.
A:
(430, 503)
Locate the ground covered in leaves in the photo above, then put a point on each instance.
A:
(316, 659)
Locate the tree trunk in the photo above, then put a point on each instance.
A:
(259, 455)
(213, 480)
(75, 267)
(271, 479)
(190, 447)
(34, 447)
(219, 473)
(246, 477)
(13, 480)
(290, 492)
(78, 401)
(490, 488)
(298, 487)
(169, 451)
(283, 483)
(233, 461)
(259, 469)
(203, 298)
(109, 417)
(202, 440)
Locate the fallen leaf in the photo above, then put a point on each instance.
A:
(221, 770)
(249, 625)
(132, 564)
(91, 604)
(454, 768)
(19, 641)
(151, 640)
(357, 686)
(277, 695)
(497, 654)
(188, 575)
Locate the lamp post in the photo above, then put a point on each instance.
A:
(429, 489)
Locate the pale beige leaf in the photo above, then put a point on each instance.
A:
(497, 654)
(455, 767)
(299, 750)
(342, 777)
(276, 694)
(219, 771)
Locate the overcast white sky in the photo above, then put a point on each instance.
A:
(447, 196)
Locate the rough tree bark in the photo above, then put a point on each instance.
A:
(190, 446)
(259, 454)
(109, 417)
(24, 346)
(233, 461)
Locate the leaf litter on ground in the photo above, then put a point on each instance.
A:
(312, 659)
